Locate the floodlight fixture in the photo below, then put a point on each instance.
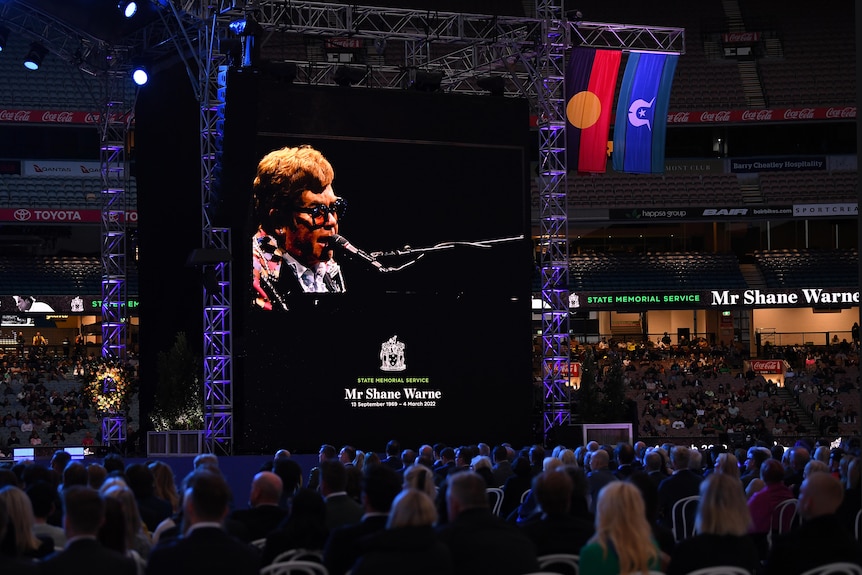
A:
(128, 7)
(35, 56)
(140, 75)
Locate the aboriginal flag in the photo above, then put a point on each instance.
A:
(591, 79)
(641, 120)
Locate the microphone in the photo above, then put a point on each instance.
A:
(342, 242)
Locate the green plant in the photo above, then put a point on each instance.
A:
(178, 403)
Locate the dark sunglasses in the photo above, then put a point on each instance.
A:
(319, 212)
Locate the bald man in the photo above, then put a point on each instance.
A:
(264, 513)
(821, 538)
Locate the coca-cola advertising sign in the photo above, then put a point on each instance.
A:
(767, 366)
(61, 117)
(740, 37)
(767, 115)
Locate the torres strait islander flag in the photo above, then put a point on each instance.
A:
(591, 78)
(641, 120)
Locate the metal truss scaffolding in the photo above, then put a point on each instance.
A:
(460, 49)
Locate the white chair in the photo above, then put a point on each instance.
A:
(837, 568)
(565, 563)
(721, 570)
(858, 524)
(259, 543)
(294, 568)
(525, 494)
(784, 518)
(495, 498)
(682, 517)
(299, 555)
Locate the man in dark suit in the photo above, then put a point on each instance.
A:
(821, 538)
(654, 464)
(502, 469)
(205, 546)
(555, 529)
(264, 513)
(341, 509)
(83, 514)
(683, 483)
(393, 455)
(479, 541)
(380, 485)
(327, 453)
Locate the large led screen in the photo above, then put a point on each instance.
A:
(426, 337)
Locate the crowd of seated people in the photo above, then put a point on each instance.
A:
(611, 506)
(43, 403)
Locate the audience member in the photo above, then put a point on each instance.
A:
(83, 514)
(264, 513)
(327, 453)
(165, 484)
(151, 508)
(599, 476)
(481, 542)
(380, 485)
(721, 530)
(554, 529)
(21, 540)
(821, 538)
(420, 477)
(10, 563)
(204, 544)
(43, 497)
(683, 483)
(409, 543)
(341, 509)
(303, 528)
(663, 535)
(502, 468)
(137, 539)
(623, 541)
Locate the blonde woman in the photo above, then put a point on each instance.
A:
(623, 543)
(721, 530)
(728, 464)
(165, 484)
(421, 478)
(20, 539)
(409, 543)
(138, 539)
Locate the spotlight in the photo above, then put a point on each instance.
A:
(35, 56)
(4, 37)
(139, 75)
(128, 8)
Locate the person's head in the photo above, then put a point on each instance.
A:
(165, 482)
(83, 511)
(653, 461)
(553, 491)
(75, 474)
(96, 474)
(21, 517)
(680, 455)
(467, 490)
(206, 497)
(624, 453)
(43, 499)
(290, 472)
(140, 479)
(798, 457)
(728, 464)
(820, 494)
(59, 461)
(412, 508)
(131, 512)
(113, 462)
(814, 466)
(599, 460)
(209, 460)
(380, 484)
(266, 488)
(347, 454)
(722, 509)
(772, 472)
(621, 524)
(420, 477)
(333, 476)
(327, 452)
(295, 203)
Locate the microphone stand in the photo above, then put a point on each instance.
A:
(409, 250)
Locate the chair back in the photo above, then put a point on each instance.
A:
(495, 498)
(721, 570)
(785, 517)
(525, 494)
(259, 543)
(858, 524)
(295, 568)
(299, 555)
(837, 568)
(683, 514)
(563, 563)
